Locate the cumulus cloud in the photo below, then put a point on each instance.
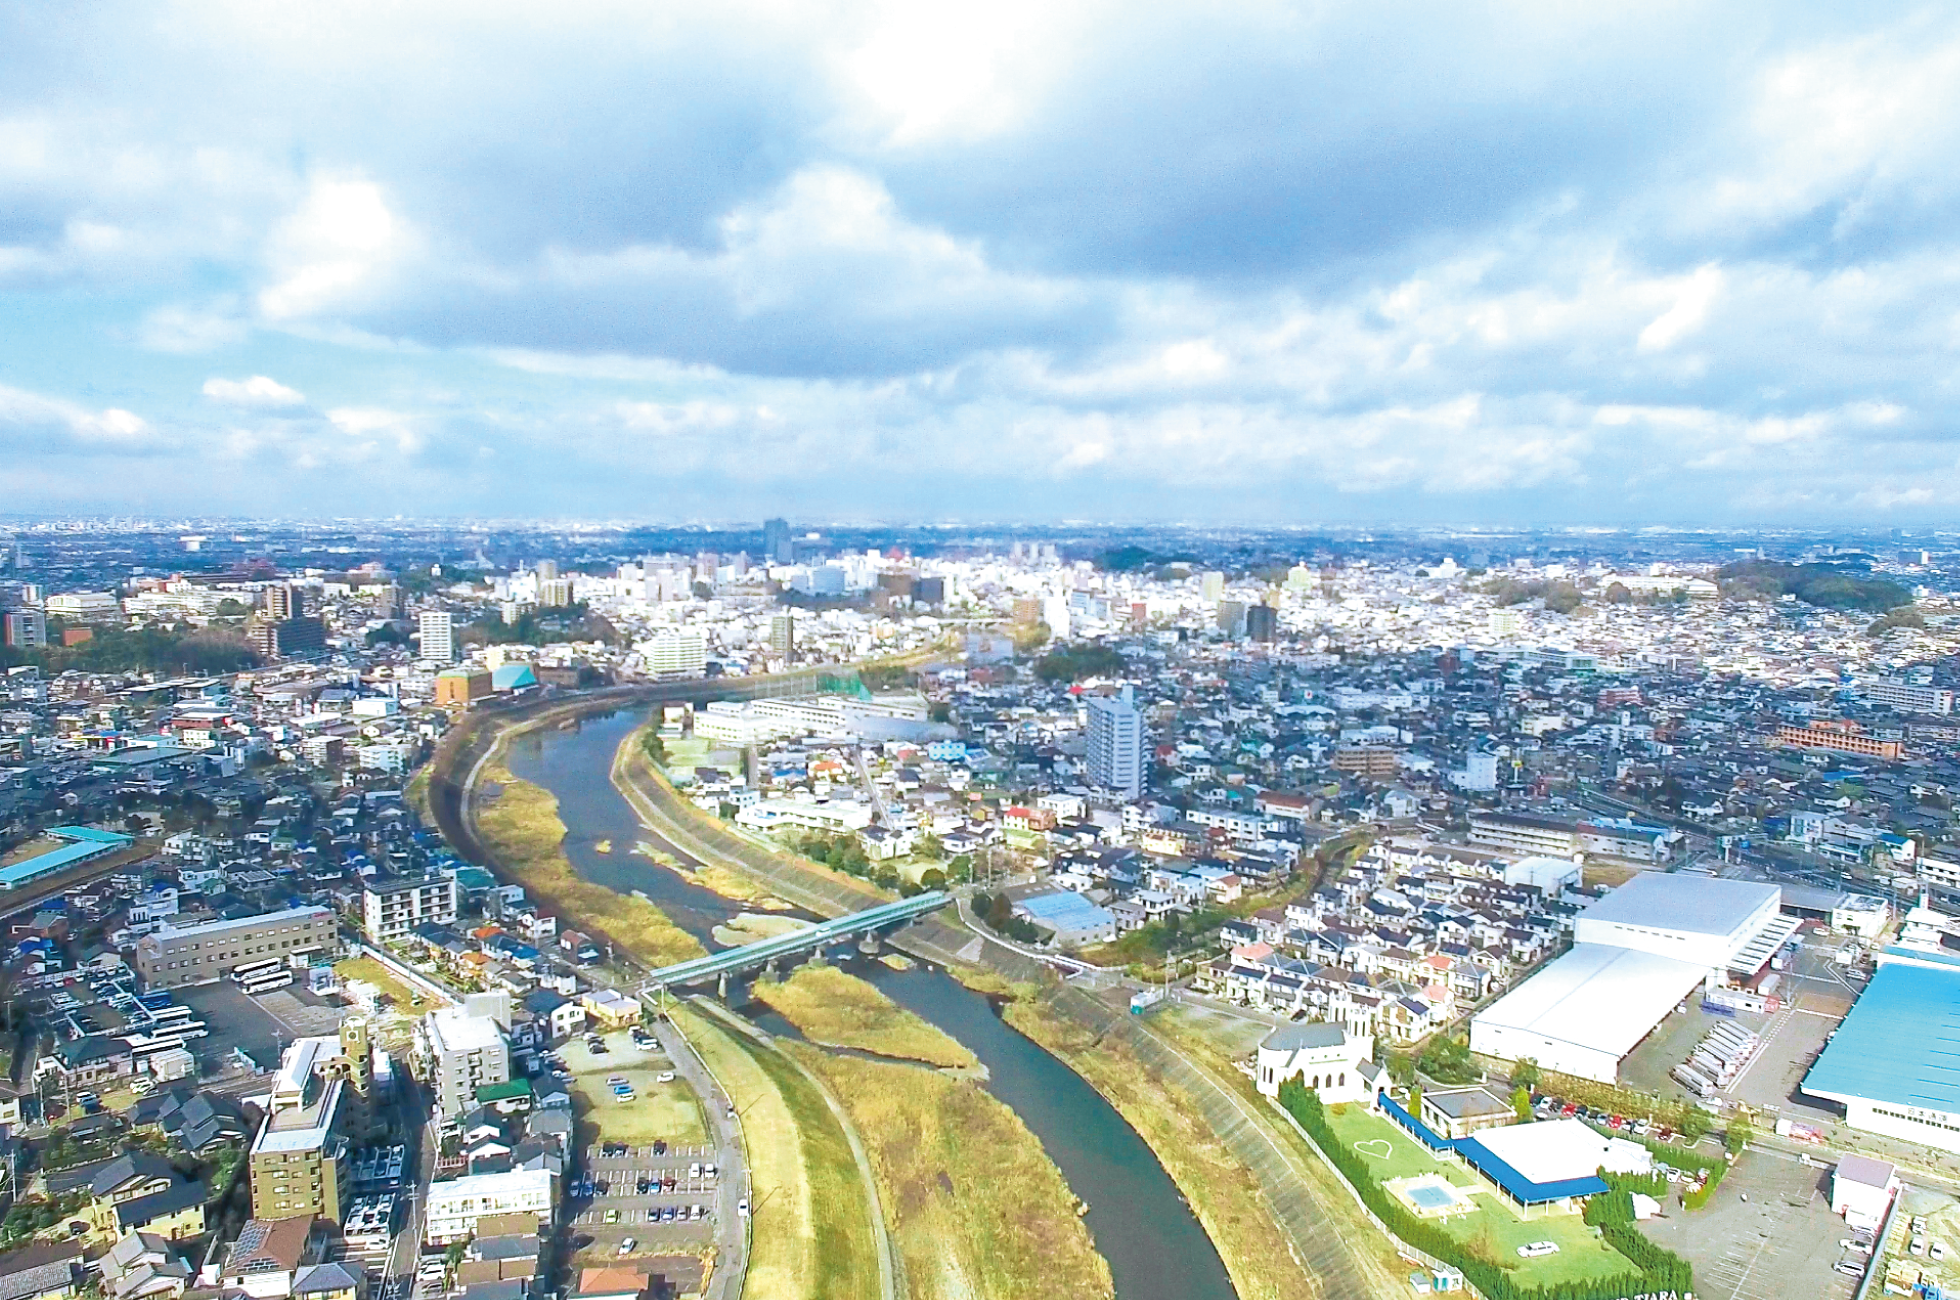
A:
(259, 390)
(1163, 258)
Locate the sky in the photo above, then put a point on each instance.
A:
(1523, 263)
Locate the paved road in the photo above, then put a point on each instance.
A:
(731, 1230)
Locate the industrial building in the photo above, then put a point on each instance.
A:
(203, 954)
(67, 846)
(1891, 1063)
(1638, 953)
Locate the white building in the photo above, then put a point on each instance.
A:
(675, 653)
(1908, 697)
(454, 1207)
(1479, 771)
(1704, 920)
(1862, 1190)
(438, 628)
(392, 908)
(1550, 875)
(1327, 1057)
(461, 1053)
(1115, 750)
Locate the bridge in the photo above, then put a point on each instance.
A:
(824, 934)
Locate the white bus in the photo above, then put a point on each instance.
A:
(265, 983)
(254, 969)
(171, 1015)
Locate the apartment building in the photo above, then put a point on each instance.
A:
(1908, 697)
(1115, 743)
(454, 1207)
(300, 1166)
(460, 1053)
(1524, 834)
(391, 908)
(1838, 737)
(174, 956)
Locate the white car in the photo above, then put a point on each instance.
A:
(1538, 1249)
(626, 1247)
(666, 1076)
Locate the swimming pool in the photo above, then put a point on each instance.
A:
(1428, 1196)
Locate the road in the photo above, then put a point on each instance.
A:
(731, 1229)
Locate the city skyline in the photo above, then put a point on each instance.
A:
(1020, 265)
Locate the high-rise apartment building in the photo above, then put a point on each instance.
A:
(392, 907)
(460, 1053)
(1211, 586)
(1262, 623)
(23, 629)
(782, 634)
(554, 593)
(321, 1097)
(438, 628)
(285, 601)
(1115, 750)
(546, 570)
(676, 653)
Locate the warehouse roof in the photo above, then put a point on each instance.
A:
(1597, 996)
(1072, 911)
(1900, 1044)
(1661, 900)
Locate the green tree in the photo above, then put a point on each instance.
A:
(1738, 1135)
(1694, 1123)
(1521, 1102)
(932, 878)
(1526, 1073)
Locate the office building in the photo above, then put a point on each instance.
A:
(1115, 749)
(391, 907)
(782, 634)
(929, 591)
(300, 1161)
(438, 628)
(1908, 697)
(460, 1053)
(23, 629)
(776, 543)
(202, 954)
(1231, 618)
(1262, 623)
(459, 687)
(554, 593)
(292, 638)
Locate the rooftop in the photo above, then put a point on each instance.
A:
(1662, 900)
(1900, 1044)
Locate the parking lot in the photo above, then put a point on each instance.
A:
(1778, 1244)
(239, 1022)
(622, 1209)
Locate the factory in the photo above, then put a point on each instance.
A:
(1637, 954)
(1891, 1063)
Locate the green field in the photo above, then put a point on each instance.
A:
(1493, 1230)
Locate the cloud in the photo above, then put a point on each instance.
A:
(332, 249)
(256, 391)
(31, 420)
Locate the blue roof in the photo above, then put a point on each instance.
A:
(85, 843)
(1900, 1044)
(1072, 910)
(1490, 1164)
(512, 677)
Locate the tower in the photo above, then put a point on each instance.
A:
(1115, 749)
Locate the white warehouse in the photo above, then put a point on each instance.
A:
(1639, 951)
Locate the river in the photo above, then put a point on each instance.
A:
(1155, 1246)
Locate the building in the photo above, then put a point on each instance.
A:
(776, 545)
(460, 1053)
(438, 629)
(173, 957)
(1261, 623)
(84, 607)
(391, 907)
(269, 1255)
(1547, 875)
(1890, 1064)
(1908, 697)
(453, 1208)
(1071, 918)
(675, 652)
(554, 592)
(1378, 761)
(460, 687)
(1115, 743)
(1637, 954)
(1325, 1057)
(1550, 837)
(1862, 1189)
(284, 601)
(782, 634)
(610, 1009)
(23, 629)
(292, 638)
(301, 1164)
(74, 845)
(1837, 737)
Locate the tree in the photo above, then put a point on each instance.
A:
(1521, 1102)
(1415, 1100)
(932, 878)
(1694, 1124)
(1738, 1135)
(1526, 1073)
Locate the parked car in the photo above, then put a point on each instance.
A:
(612, 1216)
(666, 1076)
(1538, 1249)
(626, 1246)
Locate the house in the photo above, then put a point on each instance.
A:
(610, 1283)
(610, 1008)
(173, 1214)
(1326, 1057)
(559, 1015)
(50, 1281)
(269, 1254)
(141, 1266)
(1459, 1112)
(329, 1281)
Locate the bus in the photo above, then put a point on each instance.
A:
(252, 970)
(171, 1015)
(265, 983)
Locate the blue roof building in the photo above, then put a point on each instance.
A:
(81, 844)
(512, 677)
(1073, 918)
(1895, 1062)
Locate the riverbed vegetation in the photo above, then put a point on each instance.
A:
(973, 1204)
(1222, 1191)
(810, 1234)
(836, 1009)
(521, 828)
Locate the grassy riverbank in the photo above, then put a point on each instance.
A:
(521, 829)
(840, 1010)
(974, 1206)
(1222, 1191)
(811, 1232)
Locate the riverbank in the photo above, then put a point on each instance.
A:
(810, 1229)
(972, 1202)
(833, 1009)
(520, 827)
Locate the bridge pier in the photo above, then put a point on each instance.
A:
(721, 986)
(868, 945)
(769, 968)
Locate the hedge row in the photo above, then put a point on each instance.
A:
(1714, 1166)
(1661, 1272)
